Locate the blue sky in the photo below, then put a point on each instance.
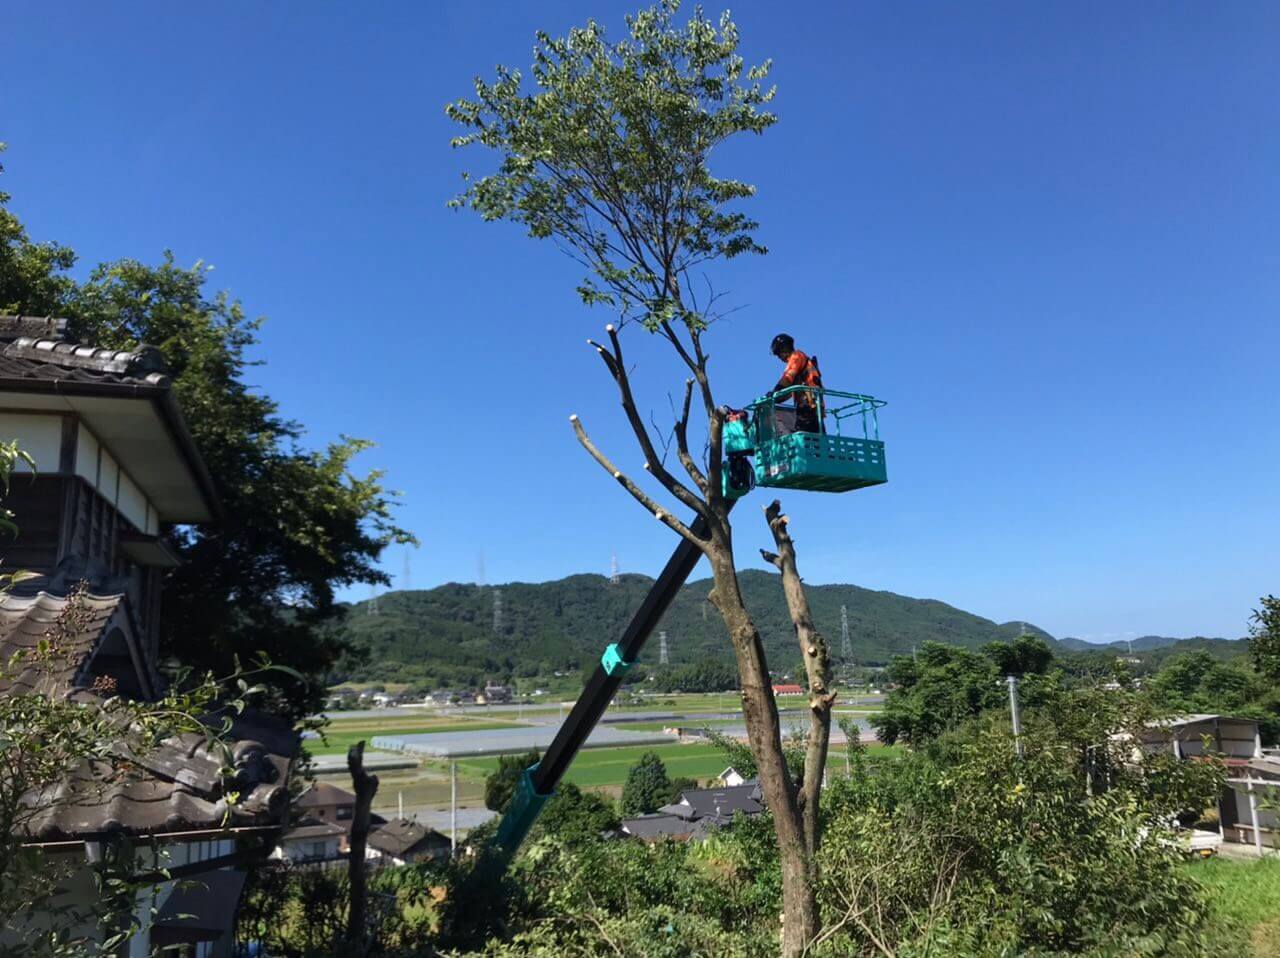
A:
(1047, 234)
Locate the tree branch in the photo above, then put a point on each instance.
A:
(662, 515)
(682, 441)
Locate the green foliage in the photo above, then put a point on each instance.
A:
(297, 523)
(609, 155)
(1264, 638)
(501, 784)
(575, 817)
(647, 787)
(1197, 682)
(943, 686)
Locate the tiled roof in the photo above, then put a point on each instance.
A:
(696, 803)
(75, 632)
(323, 793)
(177, 786)
(657, 825)
(35, 349)
(310, 829)
(400, 836)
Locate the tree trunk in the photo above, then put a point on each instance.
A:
(799, 903)
(366, 786)
(817, 663)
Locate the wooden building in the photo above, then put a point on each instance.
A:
(115, 470)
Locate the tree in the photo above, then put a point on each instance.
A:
(1264, 638)
(941, 687)
(575, 817)
(609, 157)
(501, 783)
(297, 524)
(647, 787)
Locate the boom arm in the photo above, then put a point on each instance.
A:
(540, 780)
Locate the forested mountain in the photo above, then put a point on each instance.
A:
(448, 634)
(1146, 643)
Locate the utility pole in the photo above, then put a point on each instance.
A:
(453, 809)
(1015, 712)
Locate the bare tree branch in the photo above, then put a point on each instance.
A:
(662, 515)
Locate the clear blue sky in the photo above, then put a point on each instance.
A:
(1046, 233)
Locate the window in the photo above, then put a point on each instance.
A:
(344, 812)
(317, 849)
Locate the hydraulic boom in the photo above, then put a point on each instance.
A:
(539, 781)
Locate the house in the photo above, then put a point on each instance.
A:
(401, 842)
(698, 812)
(329, 805)
(115, 467)
(311, 842)
(731, 777)
(1245, 811)
(787, 690)
(496, 694)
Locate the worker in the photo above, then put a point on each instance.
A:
(802, 370)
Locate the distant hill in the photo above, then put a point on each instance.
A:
(447, 634)
(1146, 643)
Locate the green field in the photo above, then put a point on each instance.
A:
(607, 767)
(1246, 897)
(341, 735)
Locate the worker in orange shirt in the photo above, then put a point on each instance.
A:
(802, 370)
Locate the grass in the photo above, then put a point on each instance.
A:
(341, 735)
(1246, 898)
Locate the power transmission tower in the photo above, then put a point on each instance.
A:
(497, 611)
(406, 576)
(480, 569)
(846, 646)
(372, 607)
(614, 577)
(663, 659)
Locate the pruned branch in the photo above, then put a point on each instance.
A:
(613, 360)
(817, 664)
(662, 515)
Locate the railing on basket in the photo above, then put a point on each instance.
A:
(849, 409)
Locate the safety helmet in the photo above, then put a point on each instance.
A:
(782, 343)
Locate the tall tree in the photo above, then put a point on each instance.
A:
(647, 787)
(609, 157)
(298, 523)
(1264, 638)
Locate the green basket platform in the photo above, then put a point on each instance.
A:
(846, 455)
(820, 462)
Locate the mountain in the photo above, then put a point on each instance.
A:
(1147, 643)
(447, 634)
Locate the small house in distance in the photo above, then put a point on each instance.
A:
(1245, 811)
(402, 842)
(698, 812)
(788, 689)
